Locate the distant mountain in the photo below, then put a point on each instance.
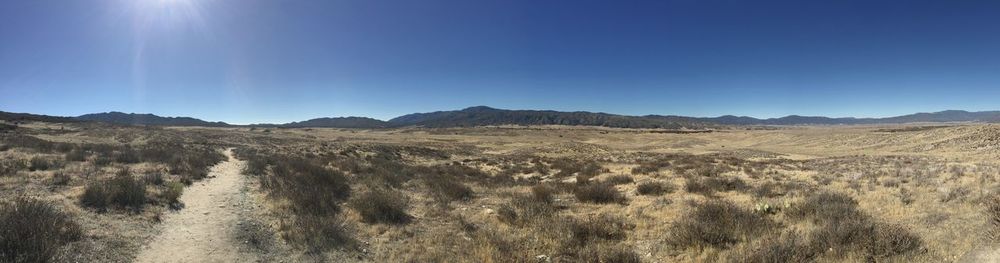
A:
(482, 115)
(941, 116)
(147, 119)
(340, 122)
(13, 116)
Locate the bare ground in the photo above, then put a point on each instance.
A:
(202, 230)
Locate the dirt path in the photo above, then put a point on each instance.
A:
(201, 231)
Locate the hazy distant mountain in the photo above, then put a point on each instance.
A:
(147, 119)
(482, 115)
(340, 122)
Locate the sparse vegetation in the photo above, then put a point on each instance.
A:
(601, 193)
(445, 189)
(123, 191)
(172, 193)
(381, 206)
(619, 179)
(32, 230)
(654, 188)
(718, 224)
(509, 194)
(710, 185)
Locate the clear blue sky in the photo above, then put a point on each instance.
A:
(246, 61)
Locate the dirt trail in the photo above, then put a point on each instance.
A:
(202, 230)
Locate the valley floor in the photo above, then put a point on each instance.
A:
(926, 193)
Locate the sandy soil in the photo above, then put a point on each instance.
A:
(201, 231)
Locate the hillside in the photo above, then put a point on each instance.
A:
(339, 122)
(482, 115)
(147, 119)
(13, 116)
(941, 116)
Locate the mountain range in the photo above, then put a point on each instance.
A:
(484, 116)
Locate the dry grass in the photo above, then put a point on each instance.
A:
(32, 230)
(381, 206)
(803, 194)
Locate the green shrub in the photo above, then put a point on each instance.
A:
(172, 193)
(33, 230)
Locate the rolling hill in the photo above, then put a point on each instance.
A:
(147, 119)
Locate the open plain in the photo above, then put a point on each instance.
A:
(924, 193)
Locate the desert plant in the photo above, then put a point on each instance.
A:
(774, 247)
(101, 161)
(32, 230)
(381, 206)
(95, 195)
(524, 209)
(76, 155)
(599, 227)
(654, 188)
(172, 192)
(11, 166)
(719, 224)
(122, 190)
(993, 217)
(607, 254)
(601, 193)
(710, 185)
(128, 192)
(153, 179)
(824, 207)
(61, 178)
(543, 193)
(317, 233)
(39, 163)
(311, 188)
(619, 179)
(445, 189)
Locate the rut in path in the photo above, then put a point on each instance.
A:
(201, 231)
